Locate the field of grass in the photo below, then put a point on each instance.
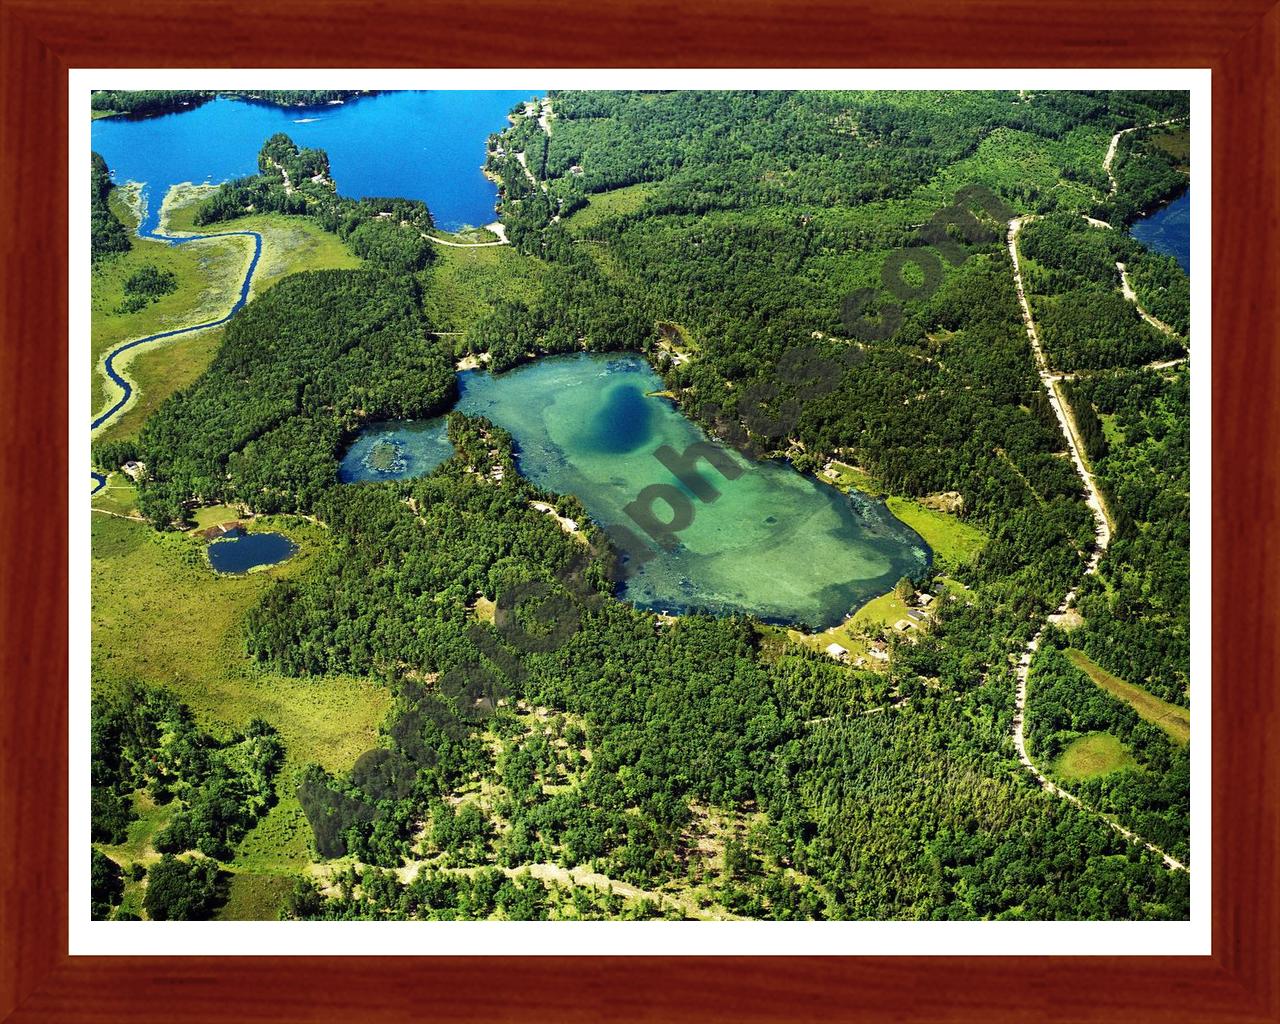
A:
(208, 276)
(469, 235)
(603, 205)
(1176, 141)
(161, 616)
(464, 284)
(137, 847)
(844, 634)
(1172, 719)
(253, 897)
(884, 610)
(1098, 753)
(290, 245)
(157, 372)
(949, 537)
(119, 496)
(877, 614)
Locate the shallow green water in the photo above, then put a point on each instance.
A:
(774, 543)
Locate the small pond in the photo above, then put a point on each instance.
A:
(238, 551)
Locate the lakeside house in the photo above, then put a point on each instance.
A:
(902, 625)
(917, 615)
(134, 470)
(837, 652)
(879, 650)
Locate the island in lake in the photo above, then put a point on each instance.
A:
(582, 505)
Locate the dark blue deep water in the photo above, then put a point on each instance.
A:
(410, 145)
(240, 551)
(1168, 230)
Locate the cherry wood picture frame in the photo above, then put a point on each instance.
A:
(41, 39)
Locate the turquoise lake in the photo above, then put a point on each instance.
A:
(776, 544)
(1168, 230)
(411, 145)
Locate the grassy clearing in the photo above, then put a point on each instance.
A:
(604, 205)
(880, 613)
(209, 275)
(1098, 753)
(884, 610)
(1172, 719)
(120, 496)
(212, 515)
(1111, 429)
(290, 245)
(464, 284)
(845, 634)
(1176, 141)
(254, 897)
(157, 372)
(952, 539)
(949, 537)
(138, 846)
(160, 616)
(468, 235)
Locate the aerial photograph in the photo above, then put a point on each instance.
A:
(694, 505)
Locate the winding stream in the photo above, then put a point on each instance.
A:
(120, 381)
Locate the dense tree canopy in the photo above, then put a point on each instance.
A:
(146, 741)
(859, 793)
(153, 102)
(107, 235)
(316, 355)
(183, 890)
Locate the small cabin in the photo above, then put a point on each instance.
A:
(837, 652)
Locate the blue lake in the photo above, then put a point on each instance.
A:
(239, 551)
(774, 543)
(1168, 230)
(410, 145)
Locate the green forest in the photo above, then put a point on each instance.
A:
(154, 102)
(550, 751)
(106, 234)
